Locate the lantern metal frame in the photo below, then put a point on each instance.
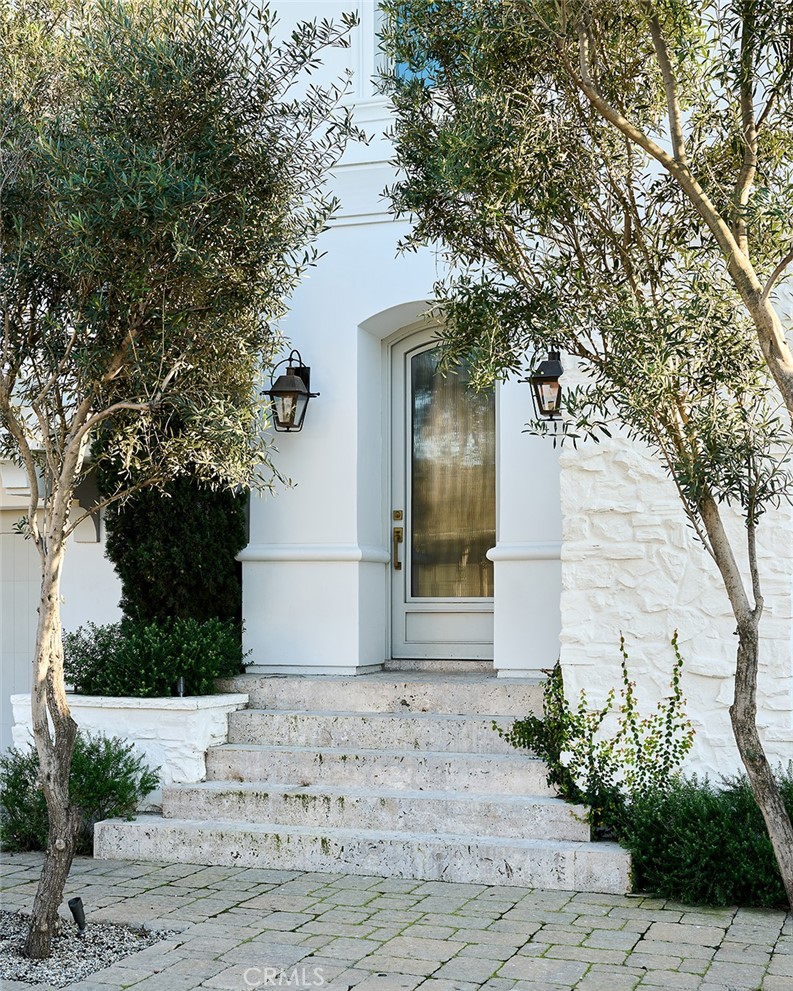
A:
(295, 381)
(548, 372)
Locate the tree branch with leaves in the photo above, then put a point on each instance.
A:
(162, 175)
(615, 178)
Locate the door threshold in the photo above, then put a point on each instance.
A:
(437, 666)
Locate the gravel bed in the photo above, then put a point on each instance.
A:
(73, 957)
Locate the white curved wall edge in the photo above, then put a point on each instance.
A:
(532, 550)
(314, 552)
(396, 318)
(170, 733)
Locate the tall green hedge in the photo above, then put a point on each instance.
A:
(174, 552)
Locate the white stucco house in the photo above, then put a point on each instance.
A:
(426, 526)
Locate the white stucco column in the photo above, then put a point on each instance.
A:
(316, 568)
(309, 569)
(526, 557)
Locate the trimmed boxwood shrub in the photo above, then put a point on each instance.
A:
(144, 660)
(107, 780)
(175, 552)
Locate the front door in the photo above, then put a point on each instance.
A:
(443, 508)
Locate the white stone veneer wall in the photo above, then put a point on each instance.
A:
(630, 564)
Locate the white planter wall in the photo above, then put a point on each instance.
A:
(170, 733)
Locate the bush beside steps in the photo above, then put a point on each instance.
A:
(689, 840)
(145, 660)
(698, 844)
(108, 780)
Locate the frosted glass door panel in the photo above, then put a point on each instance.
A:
(452, 483)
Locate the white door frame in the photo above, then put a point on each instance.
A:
(428, 628)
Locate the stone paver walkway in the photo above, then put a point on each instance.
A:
(249, 928)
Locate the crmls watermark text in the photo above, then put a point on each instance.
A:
(277, 977)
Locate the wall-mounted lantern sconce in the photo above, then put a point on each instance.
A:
(289, 393)
(546, 391)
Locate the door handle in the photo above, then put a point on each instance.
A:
(398, 534)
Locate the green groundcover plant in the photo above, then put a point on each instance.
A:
(603, 772)
(108, 779)
(145, 660)
(689, 839)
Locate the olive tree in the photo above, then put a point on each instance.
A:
(162, 172)
(615, 178)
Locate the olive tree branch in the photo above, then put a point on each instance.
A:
(748, 169)
(670, 88)
(775, 275)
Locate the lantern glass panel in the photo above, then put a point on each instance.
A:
(547, 396)
(289, 410)
(550, 394)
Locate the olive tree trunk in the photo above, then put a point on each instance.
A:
(54, 732)
(743, 711)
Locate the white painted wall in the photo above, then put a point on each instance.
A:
(90, 592)
(316, 574)
(19, 593)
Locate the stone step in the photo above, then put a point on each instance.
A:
(495, 774)
(370, 730)
(365, 809)
(409, 691)
(566, 866)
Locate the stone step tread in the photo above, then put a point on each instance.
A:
(445, 717)
(477, 797)
(452, 694)
(562, 865)
(410, 810)
(401, 730)
(278, 788)
(518, 758)
(342, 765)
(346, 764)
(440, 839)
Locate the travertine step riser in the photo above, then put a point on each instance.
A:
(483, 774)
(581, 867)
(454, 696)
(473, 734)
(553, 820)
